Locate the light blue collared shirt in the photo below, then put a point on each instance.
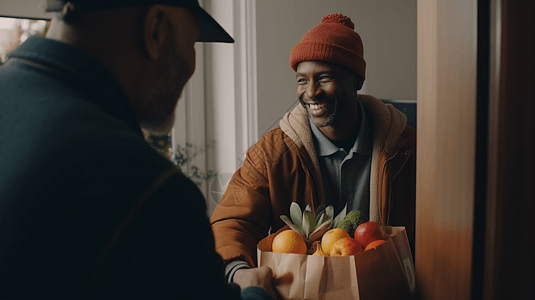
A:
(346, 175)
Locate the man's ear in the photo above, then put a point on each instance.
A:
(155, 31)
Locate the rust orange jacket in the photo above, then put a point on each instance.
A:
(282, 167)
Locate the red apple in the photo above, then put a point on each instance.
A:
(368, 232)
(346, 247)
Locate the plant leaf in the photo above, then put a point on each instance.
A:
(319, 213)
(309, 222)
(295, 214)
(316, 234)
(286, 220)
(321, 220)
(340, 217)
(330, 212)
(308, 208)
(321, 207)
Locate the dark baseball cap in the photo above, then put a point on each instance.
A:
(211, 31)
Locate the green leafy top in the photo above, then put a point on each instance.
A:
(312, 226)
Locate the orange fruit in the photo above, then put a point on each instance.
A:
(368, 232)
(330, 237)
(346, 247)
(289, 241)
(374, 244)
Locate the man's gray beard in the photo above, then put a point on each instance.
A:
(330, 118)
(161, 127)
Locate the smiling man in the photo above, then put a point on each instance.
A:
(337, 148)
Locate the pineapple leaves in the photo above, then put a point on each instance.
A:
(288, 222)
(321, 219)
(320, 213)
(312, 225)
(309, 222)
(330, 212)
(295, 214)
(316, 234)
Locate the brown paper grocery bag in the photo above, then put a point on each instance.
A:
(386, 272)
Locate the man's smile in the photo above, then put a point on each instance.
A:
(317, 106)
(320, 108)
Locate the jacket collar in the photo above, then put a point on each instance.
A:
(81, 72)
(388, 124)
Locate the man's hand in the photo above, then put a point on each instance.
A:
(260, 277)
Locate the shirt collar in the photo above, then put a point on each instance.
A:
(324, 146)
(362, 145)
(82, 72)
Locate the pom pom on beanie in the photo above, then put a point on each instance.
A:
(334, 40)
(338, 18)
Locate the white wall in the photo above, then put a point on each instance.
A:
(387, 29)
(24, 8)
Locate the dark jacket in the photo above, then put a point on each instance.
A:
(87, 207)
(283, 168)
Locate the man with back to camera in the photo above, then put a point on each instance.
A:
(336, 148)
(89, 209)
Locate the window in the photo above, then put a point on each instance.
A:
(14, 31)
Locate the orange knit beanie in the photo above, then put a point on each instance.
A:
(334, 40)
